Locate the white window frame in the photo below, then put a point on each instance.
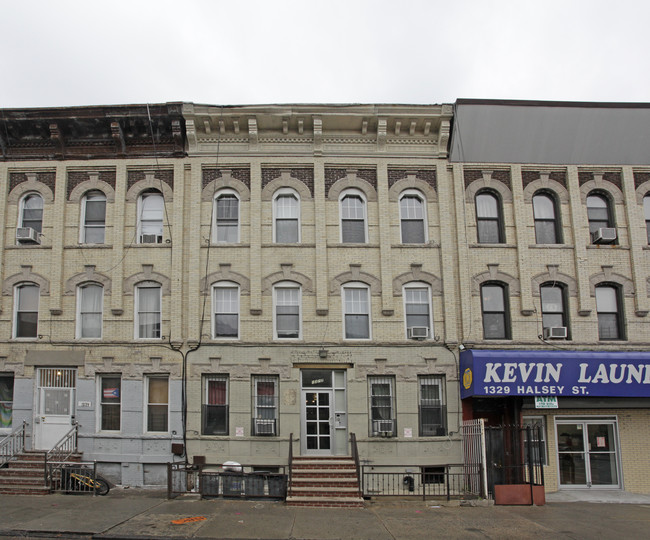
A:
(286, 192)
(141, 198)
(100, 400)
(204, 402)
(275, 407)
(362, 195)
(351, 285)
(79, 325)
(84, 225)
(375, 424)
(17, 290)
(440, 382)
(423, 200)
(225, 285)
(147, 379)
(286, 285)
(418, 285)
(21, 210)
(136, 318)
(215, 227)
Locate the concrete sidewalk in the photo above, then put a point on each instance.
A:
(140, 514)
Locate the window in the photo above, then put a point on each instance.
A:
(537, 425)
(599, 213)
(6, 401)
(148, 311)
(93, 213)
(265, 405)
(157, 404)
(110, 401)
(646, 215)
(381, 392)
(226, 217)
(215, 405)
(412, 217)
(31, 214)
(150, 217)
(417, 308)
(494, 307)
(547, 226)
(286, 212)
(353, 218)
(26, 311)
(432, 413)
(225, 299)
(553, 299)
(90, 299)
(287, 311)
(610, 316)
(356, 311)
(489, 221)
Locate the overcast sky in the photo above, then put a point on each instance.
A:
(63, 53)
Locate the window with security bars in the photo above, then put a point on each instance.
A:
(353, 219)
(381, 393)
(432, 409)
(265, 405)
(227, 218)
(6, 400)
(111, 402)
(411, 209)
(214, 412)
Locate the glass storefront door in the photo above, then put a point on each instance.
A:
(587, 452)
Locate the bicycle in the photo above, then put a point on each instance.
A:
(99, 484)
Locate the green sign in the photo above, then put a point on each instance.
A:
(546, 402)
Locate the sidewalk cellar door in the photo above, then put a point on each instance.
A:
(587, 451)
(324, 423)
(55, 398)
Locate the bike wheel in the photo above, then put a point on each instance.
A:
(102, 487)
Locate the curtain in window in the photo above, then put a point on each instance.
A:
(33, 212)
(91, 311)
(216, 392)
(149, 312)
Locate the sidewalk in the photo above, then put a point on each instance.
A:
(136, 513)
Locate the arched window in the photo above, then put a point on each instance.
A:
(148, 310)
(225, 309)
(554, 309)
(412, 212)
(610, 313)
(489, 218)
(287, 303)
(353, 217)
(226, 217)
(90, 299)
(417, 311)
(547, 225)
(286, 217)
(646, 215)
(495, 311)
(93, 212)
(150, 217)
(356, 310)
(600, 215)
(26, 298)
(30, 219)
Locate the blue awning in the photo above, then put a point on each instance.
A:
(498, 373)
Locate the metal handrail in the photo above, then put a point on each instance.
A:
(290, 464)
(61, 451)
(13, 444)
(355, 455)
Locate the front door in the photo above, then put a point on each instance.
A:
(55, 398)
(324, 413)
(588, 453)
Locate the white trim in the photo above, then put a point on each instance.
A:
(17, 287)
(418, 285)
(418, 194)
(82, 225)
(287, 285)
(356, 193)
(78, 325)
(217, 195)
(224, 285)
(145, 414)
(141, 197)
(361, 286)
(136, 306)
(100, 396)
(284, 192)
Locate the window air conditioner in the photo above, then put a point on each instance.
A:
(417, 332)
(604, 235)
(384, 427)
(27, 234)
(555, 332)
(151, 239)
(264, 427)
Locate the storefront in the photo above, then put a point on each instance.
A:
(594, 408)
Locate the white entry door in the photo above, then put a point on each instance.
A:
(55, 398)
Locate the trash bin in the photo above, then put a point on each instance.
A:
(277, 485)
(232, 484)
(209, 485)
(254, 484)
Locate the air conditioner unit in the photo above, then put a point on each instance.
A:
(555, 332)
(417, 332)
(385, 427)
(150, 239)
(27, 234)
(604, 235)
(264, 427)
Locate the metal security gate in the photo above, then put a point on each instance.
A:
(55, 399)
(473, 432)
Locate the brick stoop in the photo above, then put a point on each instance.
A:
(25, 474)
(324, 481)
